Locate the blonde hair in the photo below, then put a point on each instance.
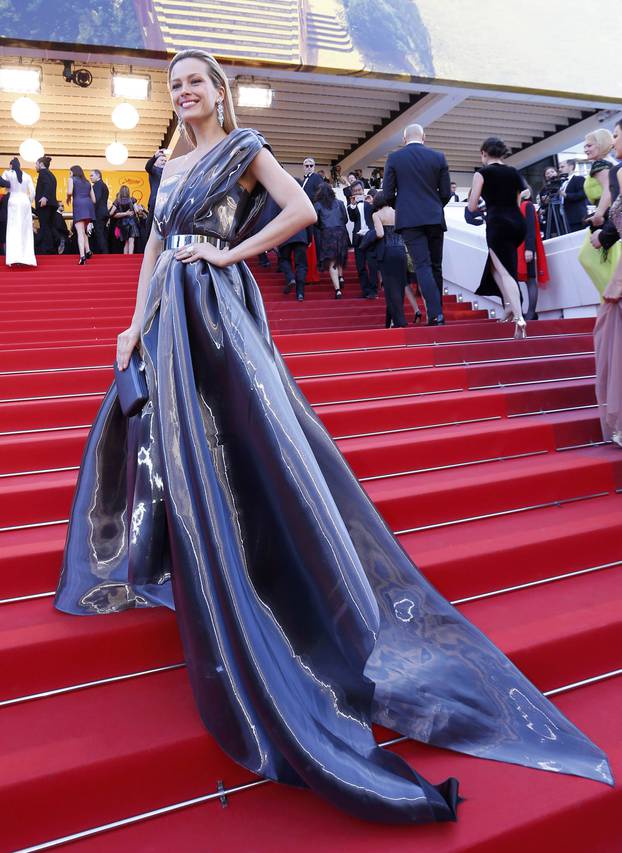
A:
(218, 79)
(603, 139)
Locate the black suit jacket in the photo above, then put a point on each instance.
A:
(311, 184)
(101, 199)
(416, 182)
(155, 176)
(355, 217)
(46, 188)
(575, 201)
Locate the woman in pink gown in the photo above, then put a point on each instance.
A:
(608, 332)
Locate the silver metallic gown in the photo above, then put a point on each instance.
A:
(302, 618)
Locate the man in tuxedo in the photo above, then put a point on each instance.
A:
(311, 181)
(416, 182)
(100, 231)
(454, 195)
(295, 276)
(154, 168)
(575, 200)
(360, 213)
(45, 206)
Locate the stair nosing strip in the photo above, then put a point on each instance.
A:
(417, 345)
(53, 397)
(39, 471)
(529, 382)
(33, 525)
(416, 428)
(224, 792)
(501, 513)
(478, 362)
(72, 688)
(55, 370)
(529, 584)
(43, 429)
(452, 465)
(32, 597)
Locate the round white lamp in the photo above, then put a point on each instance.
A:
(25, 111)
(31, 150)
(125, 116)
(116, 153)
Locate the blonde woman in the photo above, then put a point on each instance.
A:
(598, 263)
(302, 618)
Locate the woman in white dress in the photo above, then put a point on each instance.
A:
(20, 244)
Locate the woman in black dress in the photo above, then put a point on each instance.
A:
(334, 242)
(500, 186)
(391, 254)
(123, 211)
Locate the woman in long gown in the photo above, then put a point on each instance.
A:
(20, 241)
(302, 619)
(500, 186)
(608, 331)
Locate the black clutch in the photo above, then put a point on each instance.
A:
(132, 385)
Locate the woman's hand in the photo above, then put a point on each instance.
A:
(596, 219)
(203, 252)
(126, 343)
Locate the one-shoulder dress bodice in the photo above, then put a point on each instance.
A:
(208, 199)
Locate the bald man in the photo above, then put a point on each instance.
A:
(417, 184)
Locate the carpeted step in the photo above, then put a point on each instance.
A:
(562, 810)
(475, 557)
(37, 451)
(441, 497)
(30, 560)
(350, 419)
(368, 386)
(27, 385)
(415, 450)
(49, 414)
(42, 649)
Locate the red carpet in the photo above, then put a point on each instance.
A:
(530, 494)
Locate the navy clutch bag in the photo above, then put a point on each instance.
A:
(476, 218)
(132, 385)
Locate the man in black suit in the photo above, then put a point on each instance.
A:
(360, 213)
(295, 276)
(154, 168)
(575, 200)
(419, 178)
(100, 231)
(45, 206)
(311, 181)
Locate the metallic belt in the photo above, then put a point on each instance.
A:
(177, 241)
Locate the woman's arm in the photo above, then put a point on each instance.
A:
(296, 213)
(128, 339)
(476, 192)
(69, 189)
(378, 225)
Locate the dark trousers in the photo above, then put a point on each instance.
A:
(575, 226)
(425, 247)
(45, 242)
(367, 269)
(100, 236)
(299, 272)
(394, 279)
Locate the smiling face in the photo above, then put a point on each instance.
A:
(591, 148)
(193, 94)
(617, 142)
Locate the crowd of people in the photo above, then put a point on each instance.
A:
(97, 222)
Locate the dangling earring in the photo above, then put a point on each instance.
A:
(220, 113)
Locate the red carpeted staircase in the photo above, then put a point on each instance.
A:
(484, 455)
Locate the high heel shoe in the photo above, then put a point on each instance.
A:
(88, 255)
(337, 294)
(417, 319)
(520, 328)
(81, 261)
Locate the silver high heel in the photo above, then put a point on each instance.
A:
(520, 328)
